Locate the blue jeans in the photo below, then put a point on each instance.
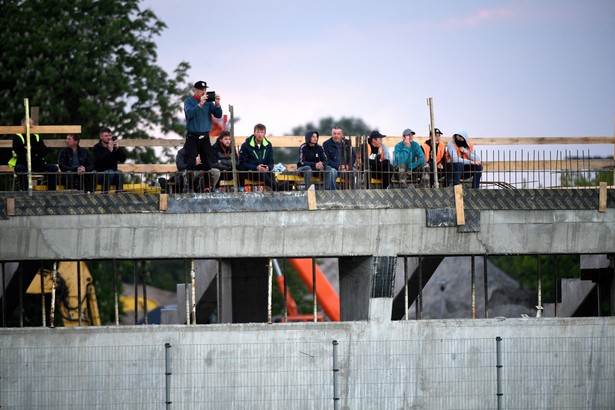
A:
(330, 175)
(464, 171)
(110, 177)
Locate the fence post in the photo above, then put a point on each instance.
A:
(167, 374)
(336, 370)
(498, 366)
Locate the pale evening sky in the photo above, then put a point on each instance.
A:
(497, 68)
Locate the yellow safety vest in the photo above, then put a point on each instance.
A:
(13, 161)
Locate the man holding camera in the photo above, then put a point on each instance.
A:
(107, 153)
(198, 110)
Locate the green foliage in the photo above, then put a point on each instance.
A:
(102, 275)
(350, 127)
(524, 268)
(587, 178)
(89, 63)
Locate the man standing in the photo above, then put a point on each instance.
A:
(340, 153)
(78, 164)
(107, 153)
(312, 159)
(408, 158)
(198, 110)
(38, 152)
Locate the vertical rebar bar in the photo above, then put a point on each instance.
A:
(136, 290)
(52, 308)
(79, 308)
(186, 290)
(420, 295)
(539, 305)
(473, 293)
(20, 282)
(144, 283)
(167, 374)
(219, 290)
(3, 294)
(193, 290)
(406, 302)
(314, 289)
(498, 367)
(336, 371)
(43, 310)
(555, 283)
(486, 286)
(285, 290)
(269, 289)
(116, 298)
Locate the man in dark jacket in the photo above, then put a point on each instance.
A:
(341, 155)
(313, 160)
(221, 156)
(256, 157)
(77, 163)
(38, 151)
(107, 153)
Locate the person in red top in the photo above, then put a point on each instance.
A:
(440, 158)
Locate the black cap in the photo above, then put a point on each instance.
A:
(437, 131)
(376, 134)
(200, 85)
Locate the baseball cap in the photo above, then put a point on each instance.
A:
(200, 85)
(408, 131)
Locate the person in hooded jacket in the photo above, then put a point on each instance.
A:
(465, 162)
(313, 160)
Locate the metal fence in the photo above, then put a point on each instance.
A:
(471, 373)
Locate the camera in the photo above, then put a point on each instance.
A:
(211, 96)
(114, 138)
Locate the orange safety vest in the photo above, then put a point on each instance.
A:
(471, 148)
(440, 151)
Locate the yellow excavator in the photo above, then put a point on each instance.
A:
(68, 292)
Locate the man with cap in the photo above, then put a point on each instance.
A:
(409, 159)
(198, 111)
(440, 157)
(376, 155)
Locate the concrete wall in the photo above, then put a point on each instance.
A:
(546, 363)
(357, 232)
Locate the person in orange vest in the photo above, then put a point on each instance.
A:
(465, 163)
(440, 158)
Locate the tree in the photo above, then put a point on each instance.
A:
(88, 62)
(350, 126)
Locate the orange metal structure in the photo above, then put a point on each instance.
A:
(326, 296)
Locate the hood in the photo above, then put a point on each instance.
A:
(308, 135)
(464, 134)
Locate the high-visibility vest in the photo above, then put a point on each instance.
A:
(440, 150)
(13, 161)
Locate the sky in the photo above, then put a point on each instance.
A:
(496, 68)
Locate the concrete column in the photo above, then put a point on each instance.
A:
(249, 289)
(225, 315)
(363, 279)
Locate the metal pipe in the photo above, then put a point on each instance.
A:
(285, 292)
(43, 310)
(269, 290)
(314, 297)
(28, 145)
(116, 304)
(486, 285)
(3, 294)
(79, 309)
(52, 308)
(136, 287)
(498, 367)
(193, 290)
(539, 305)
(473, 293)
(336, 372)
(167, 374)
(433, 143)
(555, 284)
(186, 294)
(406, 307)
(219, 292)
(144, 283)
(20, 282)
(233, 153)
(420, 296)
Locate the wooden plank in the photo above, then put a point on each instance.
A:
(10, 206)
(163, 202)
(41, 129)
(311, 196)
(602, 198)
(459, 209)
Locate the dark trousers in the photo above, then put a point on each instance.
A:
(22, 170)
(74, 180)
(110, 177)
(381, 170)
(198, 144)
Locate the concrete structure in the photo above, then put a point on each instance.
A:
(368, 361)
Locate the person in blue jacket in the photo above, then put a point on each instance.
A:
(409, 159)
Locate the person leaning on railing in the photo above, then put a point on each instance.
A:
(38, 152)
(465, 162)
